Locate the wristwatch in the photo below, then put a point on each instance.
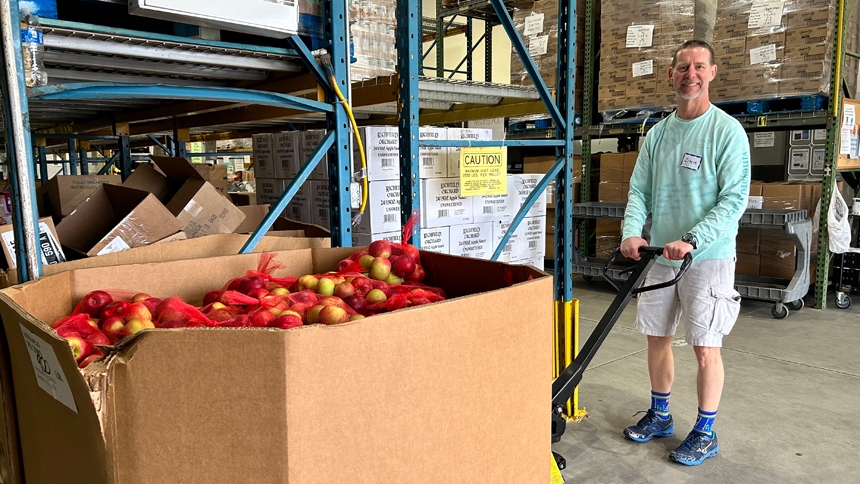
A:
(690, 239)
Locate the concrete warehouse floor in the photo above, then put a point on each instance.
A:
(790, 411)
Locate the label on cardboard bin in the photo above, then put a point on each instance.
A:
(51, 251)
(193, 208)
(764, 139)
(640, 35)
(766, 13)
(800, 158)
(763, 54)
(819, 135)
(534, 24)
(115, 245)
(538, 45)
(644, 68)
(818, 156)
(483, 171)
(755, 202)
(49, 374)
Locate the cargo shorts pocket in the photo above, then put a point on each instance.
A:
(727, 305)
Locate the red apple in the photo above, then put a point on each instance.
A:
(260, 318)
(402, 265)
(211, 297)
(141, 296)
(382, 286)
(380, 269)
(81, 348)
(413, 253)
(89, 359)
(94, 302)
(330, 301)
(379, 248)
(290, 312)
(280, 291)
(113, 328)
(151, 304)
(362, 285)
(138, 310)
(313, 314)
(343, 264)
(286, 322)
(357, 303)
(135, 326)
(344, 290)
(375, 296)
(248, 284)
(418, 301)
(333, 315)
(417, 275)
(258, 293)
(116, 308)
(93, 322)
(356, 317)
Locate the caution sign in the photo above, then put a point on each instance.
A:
(483, 171)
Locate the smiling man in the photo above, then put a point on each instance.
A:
(692, 175)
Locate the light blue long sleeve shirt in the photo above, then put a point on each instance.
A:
(691, 176)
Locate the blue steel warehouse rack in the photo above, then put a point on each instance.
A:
(18, 128)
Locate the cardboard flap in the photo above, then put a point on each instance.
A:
(176, 168)
(88, 223)
(148, 179)
(124, 199)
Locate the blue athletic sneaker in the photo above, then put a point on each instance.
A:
(650, 426)
(695, 449)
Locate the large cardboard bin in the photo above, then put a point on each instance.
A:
(63, 193)
(399, 397)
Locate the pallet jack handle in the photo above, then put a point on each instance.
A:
(567, 381)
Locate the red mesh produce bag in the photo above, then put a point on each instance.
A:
(173, 312)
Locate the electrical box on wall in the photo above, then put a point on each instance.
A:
(269, 18)
(806, 153)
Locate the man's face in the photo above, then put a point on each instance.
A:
(693, 72)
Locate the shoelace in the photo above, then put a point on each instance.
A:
(694, 441)
(650, 420)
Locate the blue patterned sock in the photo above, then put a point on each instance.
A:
(705, 421)
(660, 404)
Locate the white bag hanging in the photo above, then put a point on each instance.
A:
(838, 226)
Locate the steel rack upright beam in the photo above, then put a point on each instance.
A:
(834, 120)
(18, 143)
(408, 61)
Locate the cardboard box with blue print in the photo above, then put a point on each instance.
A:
(219, 406)
(187, 195)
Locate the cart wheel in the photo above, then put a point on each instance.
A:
(795, 305)
(587, 278)
(842, 300)
(779, 311)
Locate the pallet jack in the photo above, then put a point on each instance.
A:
(564, 386)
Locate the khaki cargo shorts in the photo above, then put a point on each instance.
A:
(705, 298)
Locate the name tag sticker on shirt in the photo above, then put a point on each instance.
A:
(691, 162)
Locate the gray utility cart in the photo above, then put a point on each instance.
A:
(787, 294)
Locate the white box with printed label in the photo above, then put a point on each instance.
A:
(308, 142)
(519, 188)
(383, 208)
(537, 262)
(532, 239)
(499, 230)
(382, 149)
(299, 207)
(436, 239)
(363, 240)
(264, 155)
(286, 154)
(442, 204)
(491, 208)
(463, 134)
(269, 190)
(472, 240)
(434, 159)
(319, 203)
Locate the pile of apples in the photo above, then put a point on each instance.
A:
(384, 277)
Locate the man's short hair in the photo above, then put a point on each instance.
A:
(690, 44)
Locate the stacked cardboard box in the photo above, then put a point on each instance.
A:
(615, 172)
(537, 24)
(772, 49)
(637, 43)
